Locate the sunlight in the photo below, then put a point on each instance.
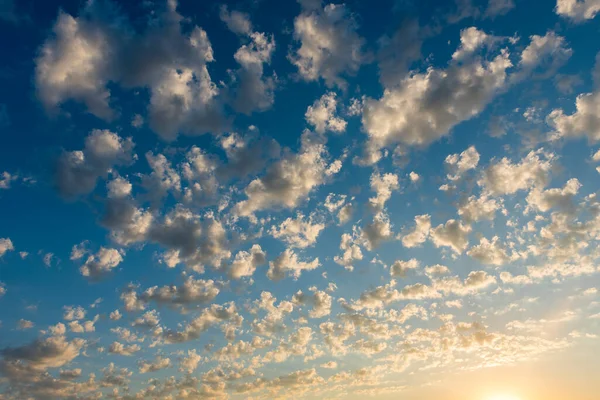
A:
(503, 397)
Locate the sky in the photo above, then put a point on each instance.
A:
(266, 199)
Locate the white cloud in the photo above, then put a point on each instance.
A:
(489, 252)
(584, 122)
(78, 171)
(453, 234)
(383, 186)
(504, 177)
(6, 245)
(100, 264)
(300, 232)
(323, 115)
(475, 209)
(577, 10)
(461, 163)
(329, 45)
(288, 262)
(425, 106)
(245, 263)
(157, 364)
(545, 200)
(419, 233)
(400, 268)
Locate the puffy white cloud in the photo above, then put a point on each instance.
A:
(73, 313)
(6, 245)
(507, 277)
(471, 40)
(209, 317)
(376, 232)
(544, 200)
(418, 235)
(489, 252)
(237, 22)
(400, 268)
(498, 7)
(123, 350)
(461, 163)
(190, 362)
(548, 52)
(24, 324)
(100, 264)
(192, 291)
(6, 179)
(345, 213)
(424, 107)
(246, 262)
(577, 10)
(100, 46)
(51, 352)
(78, 171)
(474, 282)
(288, 182)
(504, 177)
(288, 262)
(584, 122)
(383, 186)
(329, 45)
(351, 252)
(323, 115)
(300, 232)
(157, 364)
(254, 91)
(475, 209)
(452, 234)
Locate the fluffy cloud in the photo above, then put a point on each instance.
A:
(505, 177)
(475, 209)
(577, 10)
(584, 122)
(123, 350)
(98, 265)
(246, 262)
(329, 45)
(544, 200)
(322, 115)
(46, 353)
(288, 262)
(156, 365)
(400, 268)
(544, 54)
(100, 46)
(299, 232)
(209, 317)
(192, 291)
(489, 252)
(6, 245)
(418, 235)
(452, 234)
(289, 181)
(424, 107)
(78, 171)
(382, 185)
(461, 163)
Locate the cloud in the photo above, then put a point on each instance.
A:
(424, 107)
(452, 234)
(382, 185)
(584, 122)
(322, 115)
(400, 268)
(577, 10)
(192, 291)
(246, 262)
(489, 252)
(156, 365)
(461, 163)
(210, 316)
(288, 182)
(123, 350)
(100, 264)
(419, 233)
(87, 52)
(329, 48)
(299, 233)
(475, 209)
(505, 177)
(78, 171)
(46, 353)
(6, 245)
(236, 21)
(545, 54)
(288, 262)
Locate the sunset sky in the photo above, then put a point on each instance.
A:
(264, 199)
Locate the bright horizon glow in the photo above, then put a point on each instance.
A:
(503, 397)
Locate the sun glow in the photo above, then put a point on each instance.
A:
(503, 397)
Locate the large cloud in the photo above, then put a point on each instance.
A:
(329, 48)
(100, 46)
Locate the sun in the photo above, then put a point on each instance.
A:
(503, 397)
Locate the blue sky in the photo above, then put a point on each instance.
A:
(277, 199)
